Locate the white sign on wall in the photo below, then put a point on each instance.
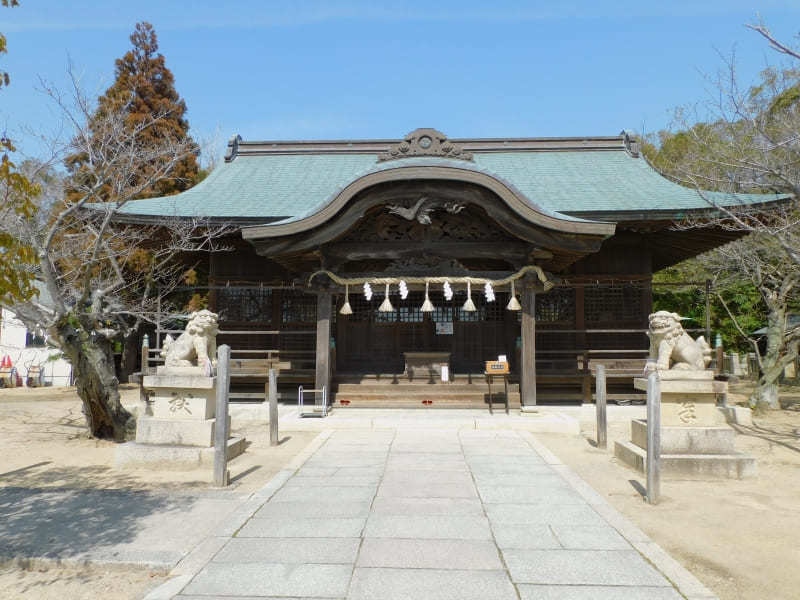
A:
(444, 328)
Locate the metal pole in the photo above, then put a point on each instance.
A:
(273, 408)
(221, 474)
(600, 404)
(653, 438)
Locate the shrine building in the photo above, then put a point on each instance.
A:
(368, 265)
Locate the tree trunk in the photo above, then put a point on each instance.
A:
(92, 359)
(130, 355)
(765, 396)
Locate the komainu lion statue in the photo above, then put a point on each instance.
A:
(195, 346)
(673, 348)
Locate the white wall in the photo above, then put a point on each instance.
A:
(12, 343)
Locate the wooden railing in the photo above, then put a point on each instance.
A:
(250, 366)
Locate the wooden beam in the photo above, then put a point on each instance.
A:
(323, 342)
(515, 251)
(528, 355)
(566, 237)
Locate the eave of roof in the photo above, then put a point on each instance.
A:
(434, 169)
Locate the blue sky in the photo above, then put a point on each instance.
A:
(360, 69)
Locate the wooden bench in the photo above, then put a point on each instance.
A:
(620, 370)
(253, 371)
(295, 367)
(577, 368)
(249, 368)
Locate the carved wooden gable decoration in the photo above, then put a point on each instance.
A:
(425, 142)
(470, 224)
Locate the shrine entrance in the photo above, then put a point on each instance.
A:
(370, 341)
(406, 225)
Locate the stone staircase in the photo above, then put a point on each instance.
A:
(397, 391)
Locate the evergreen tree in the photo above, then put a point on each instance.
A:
(144, 88)
(16, 193)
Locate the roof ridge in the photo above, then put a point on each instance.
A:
(239, 147)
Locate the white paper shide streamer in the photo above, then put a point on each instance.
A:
(488, 292)
(448, 291)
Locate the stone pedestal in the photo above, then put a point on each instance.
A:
(696, 441)
(177, 431)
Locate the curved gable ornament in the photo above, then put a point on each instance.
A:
(425, 142)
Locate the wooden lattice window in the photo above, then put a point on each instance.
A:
(244, 304)
(496, 311)
(412, 313)
(442, 310)
(297, 307)
(385, 317)
(556, 306)
(608, 304)
(362, 309)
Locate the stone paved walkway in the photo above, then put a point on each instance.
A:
(428, 515)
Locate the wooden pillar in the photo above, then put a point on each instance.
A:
(708, 312)
(528, 355)
(323, 341)
(581, 343)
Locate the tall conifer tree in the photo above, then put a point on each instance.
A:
(144, 88)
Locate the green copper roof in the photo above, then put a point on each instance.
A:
(279, 186)
(260, 186)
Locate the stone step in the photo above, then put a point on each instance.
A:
(133, 455)
(691, 466)
(422, 396)
(687, 440)
(397, 379)
(422, 403)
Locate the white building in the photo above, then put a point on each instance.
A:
(29, 348)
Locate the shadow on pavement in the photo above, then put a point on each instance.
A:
(78, 524)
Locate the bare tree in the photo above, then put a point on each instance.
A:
(759, 260)
(102, 275)
(744, 140)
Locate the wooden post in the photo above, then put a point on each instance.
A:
(600, 406)
(158, 318)
(144, 371)
(528, 358)
(653, 439)
(323, 341)
(708, 312)
(273, 408)
(586, 378)
(145, 355)
(221, 475)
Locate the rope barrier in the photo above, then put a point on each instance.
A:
(438, 279)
